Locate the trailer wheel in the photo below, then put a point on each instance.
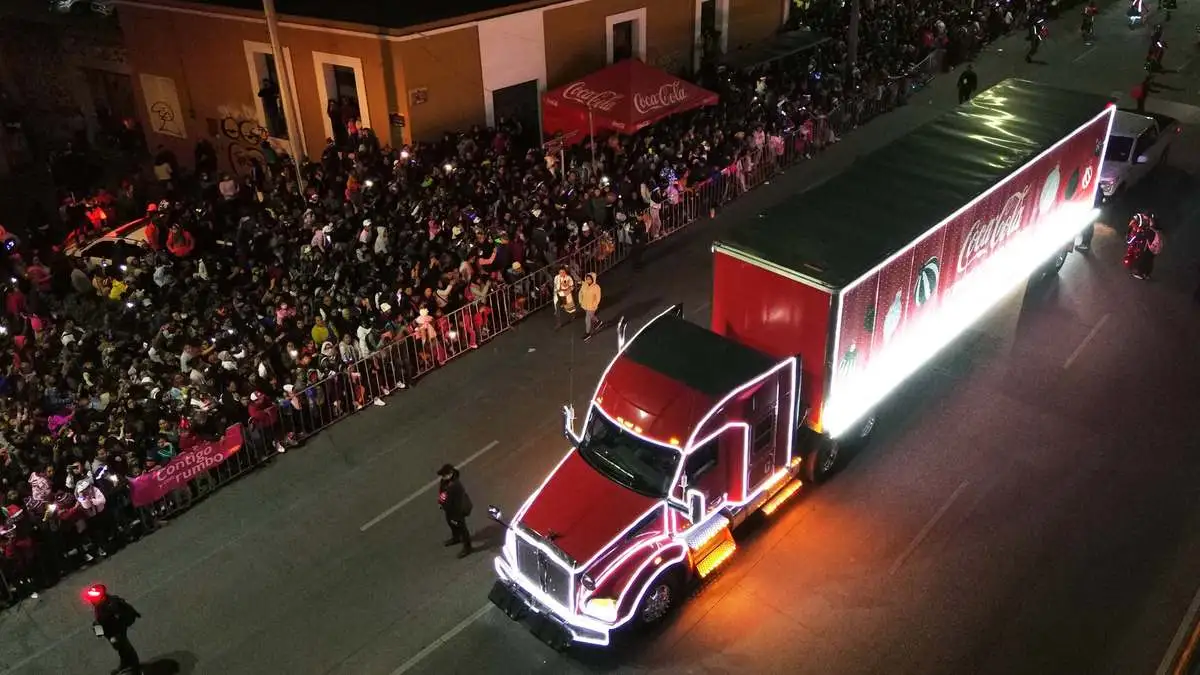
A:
(660, 599)
(1060, 259)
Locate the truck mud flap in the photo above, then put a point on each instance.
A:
(517, 608)
(509, 602)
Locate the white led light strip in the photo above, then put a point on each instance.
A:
(966, 302)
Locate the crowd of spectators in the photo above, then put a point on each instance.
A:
(251, 289)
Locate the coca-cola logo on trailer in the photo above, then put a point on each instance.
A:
(667, 95)
(986, 235)
(602, 99)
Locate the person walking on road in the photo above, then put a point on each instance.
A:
(1144, 265)
(456, 505)
(1140, 91)
(589, 300)
(968, 82)
(564, 296)
(113, 619)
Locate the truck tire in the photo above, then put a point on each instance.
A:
(664, 595)
(822, 461)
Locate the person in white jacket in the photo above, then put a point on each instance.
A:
(381, 240)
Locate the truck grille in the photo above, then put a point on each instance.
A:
(544, 572)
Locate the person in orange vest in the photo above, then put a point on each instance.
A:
(153, 235)
(180, 242)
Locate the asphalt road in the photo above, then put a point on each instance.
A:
(1028, 505)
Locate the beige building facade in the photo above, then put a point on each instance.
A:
(198, 69)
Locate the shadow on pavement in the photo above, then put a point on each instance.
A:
(173, 663)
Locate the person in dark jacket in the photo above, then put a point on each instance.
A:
(113, 618)
(456, 504)
(968, 81)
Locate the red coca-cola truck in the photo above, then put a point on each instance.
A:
(820, 309)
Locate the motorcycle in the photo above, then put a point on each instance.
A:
(1136, 13)
(1088, 28)
(1154, 58)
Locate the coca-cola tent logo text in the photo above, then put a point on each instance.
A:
(986, 235)
(667, 95)
(604, 99)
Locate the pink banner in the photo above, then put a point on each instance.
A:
(198, 458)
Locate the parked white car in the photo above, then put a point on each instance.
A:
(1139, 143)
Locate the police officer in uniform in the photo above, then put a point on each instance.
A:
(456, 505)
(113, 618)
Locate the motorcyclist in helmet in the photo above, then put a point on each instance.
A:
(1089, 19)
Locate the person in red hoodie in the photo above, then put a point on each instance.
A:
(264, 421)
(180, 242)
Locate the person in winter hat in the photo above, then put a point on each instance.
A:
(456, 505)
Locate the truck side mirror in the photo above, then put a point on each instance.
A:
(695, 507)
(569, 423)
(496, 514)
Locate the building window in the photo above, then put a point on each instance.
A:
(343, 95)
(268, 94)
(712, 27)
(627, 36)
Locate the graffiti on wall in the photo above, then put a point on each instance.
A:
(162, 103)
(243, 135)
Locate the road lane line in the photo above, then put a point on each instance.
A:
(1079, 350)
(928, 528)
(422, 490)
(1079, 58)
(1185, 627)
(437, 644)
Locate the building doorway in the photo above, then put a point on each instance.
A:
(519, 102)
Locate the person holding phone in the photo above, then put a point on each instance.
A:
(113, 619)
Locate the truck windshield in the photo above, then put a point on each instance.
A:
(627, 460)
(1119, 148)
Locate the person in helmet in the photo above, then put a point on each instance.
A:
(113, 618)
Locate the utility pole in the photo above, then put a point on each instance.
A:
(852, 38)
(290, 110)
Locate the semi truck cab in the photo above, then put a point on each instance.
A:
(688, 433)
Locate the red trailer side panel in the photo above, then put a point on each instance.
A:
(776, 315)
(905, 292)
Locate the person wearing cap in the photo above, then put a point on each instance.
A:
(113, 617)
(456, 505)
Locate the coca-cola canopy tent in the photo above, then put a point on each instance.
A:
(624, 97)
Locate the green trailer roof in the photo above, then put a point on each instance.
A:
(842, 228)
(696, 357)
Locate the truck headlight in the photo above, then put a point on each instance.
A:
(604, 609)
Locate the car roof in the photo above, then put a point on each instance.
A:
(133, 233)
(1131, 124)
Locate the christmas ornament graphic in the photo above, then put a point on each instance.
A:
(1049, 192)
(892, 320)
(1072, 185)
(927, 281)
(846, 365)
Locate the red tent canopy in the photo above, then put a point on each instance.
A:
(624, 97)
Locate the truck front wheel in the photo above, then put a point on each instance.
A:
(659, 600)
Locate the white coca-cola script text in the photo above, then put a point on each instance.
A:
(666, 96)
(605, 99)
(985, 235)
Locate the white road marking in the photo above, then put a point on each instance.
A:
(1079, 350)
(1079, 58)
(702, 306)
(436, 644)
(1180, 635)
(928, 528)
(422, 490)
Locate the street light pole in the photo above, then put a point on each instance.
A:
(290, 109)
(852, 38)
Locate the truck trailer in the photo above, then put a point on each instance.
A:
(820, 309)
